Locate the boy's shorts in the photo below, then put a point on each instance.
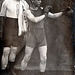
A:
(36, 37)
(10, 33)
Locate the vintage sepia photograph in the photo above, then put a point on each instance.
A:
(37, 37)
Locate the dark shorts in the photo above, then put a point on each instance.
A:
(36, 37)
(10, 33)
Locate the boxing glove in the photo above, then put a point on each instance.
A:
(65, 11)
(47, 9)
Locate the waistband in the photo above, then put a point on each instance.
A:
(11, 18)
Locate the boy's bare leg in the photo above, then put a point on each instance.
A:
(12, 55)
(28, 52)
(43, 58)
(5, 56)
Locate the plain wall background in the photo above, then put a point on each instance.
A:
(59, 39)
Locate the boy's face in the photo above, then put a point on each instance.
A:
(37, 2)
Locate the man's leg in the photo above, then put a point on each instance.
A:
(12, 55)
(43, 58)
(28, 52)
(5, 56)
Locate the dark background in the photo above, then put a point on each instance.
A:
(60, 38)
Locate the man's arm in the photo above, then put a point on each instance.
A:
(32, 17)
(47, 10)
(55, 15)
(3, 8)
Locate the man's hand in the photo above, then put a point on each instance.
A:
(47, 9)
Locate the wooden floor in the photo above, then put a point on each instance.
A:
(35, 72)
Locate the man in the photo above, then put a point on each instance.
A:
(14, 27)
(36, 35)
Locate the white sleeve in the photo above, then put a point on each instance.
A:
(25, 4)
(3, 8)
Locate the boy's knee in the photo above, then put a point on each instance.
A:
(6, 51)
(43, 59)
(13, 54)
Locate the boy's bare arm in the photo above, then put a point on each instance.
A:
(32, 17)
